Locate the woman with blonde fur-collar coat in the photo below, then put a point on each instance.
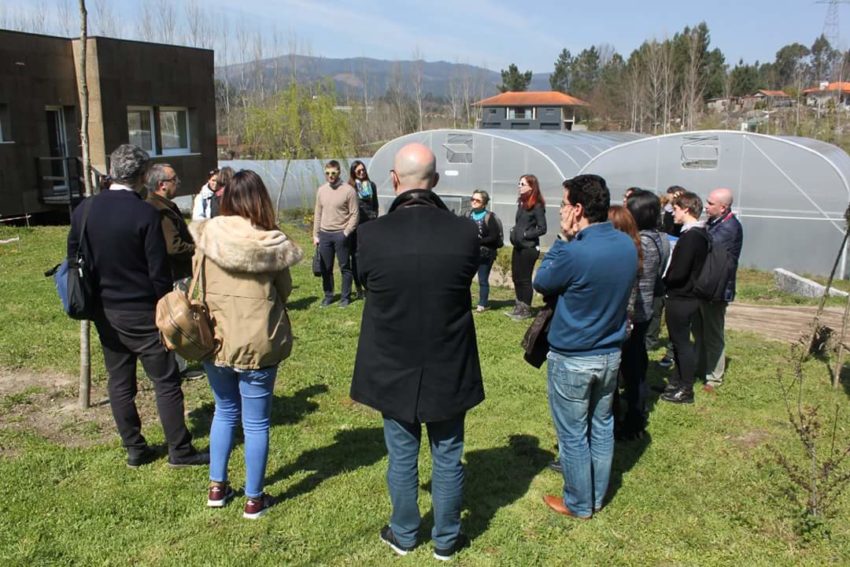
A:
(246, 283)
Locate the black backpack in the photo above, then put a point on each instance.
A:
(501, 241)
(714, 276)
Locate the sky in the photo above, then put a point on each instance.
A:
(495, 33)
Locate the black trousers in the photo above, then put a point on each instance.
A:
(335, 244)
(633, 366)
(682, 315)
(128, 336)
(522, 266)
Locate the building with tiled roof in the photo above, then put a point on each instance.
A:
(529, 110)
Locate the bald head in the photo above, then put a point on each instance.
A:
(719, 203)
(414, 167)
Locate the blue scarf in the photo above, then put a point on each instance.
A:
(478, 216)
(364, 189)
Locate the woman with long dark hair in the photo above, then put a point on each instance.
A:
(488, 237)
(367, 197)
(246, 279)
(529, 226)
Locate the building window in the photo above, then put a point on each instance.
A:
(520, 113)
(140, 127)
(459, 148)
(174, 130)
(5, 132)
(700, 151)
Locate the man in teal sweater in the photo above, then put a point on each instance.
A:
(591, 271)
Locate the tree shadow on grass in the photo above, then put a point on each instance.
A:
(286, 410)
(351, 450)
(495, 478)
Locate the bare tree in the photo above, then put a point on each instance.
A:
(417, 70)
(694, 82)
(64, 18)
(146, 18)
(82, 84)
(104, 19)
(258, 67)
(197, 25)
(166, 21)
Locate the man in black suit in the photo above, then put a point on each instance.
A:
(126, 250)
(417, 358)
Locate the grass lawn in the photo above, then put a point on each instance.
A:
(701, 489)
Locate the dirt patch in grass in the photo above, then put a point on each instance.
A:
(749, 439)
(46, 404)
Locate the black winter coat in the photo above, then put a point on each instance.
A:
(417, 357)
(529, 226)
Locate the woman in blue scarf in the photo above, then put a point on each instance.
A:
(367, 195)
(488, 236)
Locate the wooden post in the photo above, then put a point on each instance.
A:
(82, 86)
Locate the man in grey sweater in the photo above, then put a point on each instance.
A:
(334, 220)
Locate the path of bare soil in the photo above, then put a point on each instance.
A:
(779, 322)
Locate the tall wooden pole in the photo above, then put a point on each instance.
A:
(83, 87)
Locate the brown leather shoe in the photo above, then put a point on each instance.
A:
(556, 503)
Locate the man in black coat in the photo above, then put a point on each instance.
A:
(417, 358)
(125, 247)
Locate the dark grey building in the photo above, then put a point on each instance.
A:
(535, 110)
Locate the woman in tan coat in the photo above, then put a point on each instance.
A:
(247, 282)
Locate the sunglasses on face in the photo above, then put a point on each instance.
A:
(359, 171)
(331, 173)
(474, 200)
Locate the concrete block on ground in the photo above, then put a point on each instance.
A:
(790, 282)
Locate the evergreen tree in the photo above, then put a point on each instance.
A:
(560, 79)
(585, 72)
(513, 80)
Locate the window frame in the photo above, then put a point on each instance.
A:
(183, 150)
(153, 132)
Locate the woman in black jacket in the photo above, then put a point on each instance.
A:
(682, 305)
(488, 237)
(367, 196)
(529, 226)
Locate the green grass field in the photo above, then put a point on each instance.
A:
(701, 489)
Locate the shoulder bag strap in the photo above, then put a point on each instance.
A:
(197, 274)
(83, 241)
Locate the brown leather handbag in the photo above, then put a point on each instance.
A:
(184, 323)
(535, 342)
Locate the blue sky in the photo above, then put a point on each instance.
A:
(495, 33)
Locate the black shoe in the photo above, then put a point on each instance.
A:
(670, 388)
(136, 459)
(679, 396)
(388, 537)
(194, 460)
(556, 466)
(345, 303)
(326, 301)
(446, 554)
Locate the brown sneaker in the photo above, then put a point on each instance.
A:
(256, 507)
(219, 494)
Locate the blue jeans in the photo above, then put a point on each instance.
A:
(245, 394)
(446, 440)
(581, 391)
(484, 282)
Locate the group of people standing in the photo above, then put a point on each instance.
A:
(417, 359)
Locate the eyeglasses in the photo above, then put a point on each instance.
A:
(474, 200)
(170, 179)
(331, 172)
(358, 171)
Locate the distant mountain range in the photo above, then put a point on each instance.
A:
(351, 75)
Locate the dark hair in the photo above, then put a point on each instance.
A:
(623, 221)
(591, 192)
(645, 208)
(225, 174)
(352, 177)
(690, 202)
(246, 196)
(676, 189)
(213, 171)
(530, 199)
(485, 196)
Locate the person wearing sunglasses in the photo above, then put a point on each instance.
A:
(488, 238)
(334, 221)
(367, 195)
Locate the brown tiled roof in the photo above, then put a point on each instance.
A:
(772, 93)
(532, 98)
(843, 87)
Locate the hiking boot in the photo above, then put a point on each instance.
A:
(666, 362)
(680, 396)
(388, 537)
(514, 312)
(256, 507)
(326, 301)
(523, 312)
(449, 552)
(344, 303)
(219, 494)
